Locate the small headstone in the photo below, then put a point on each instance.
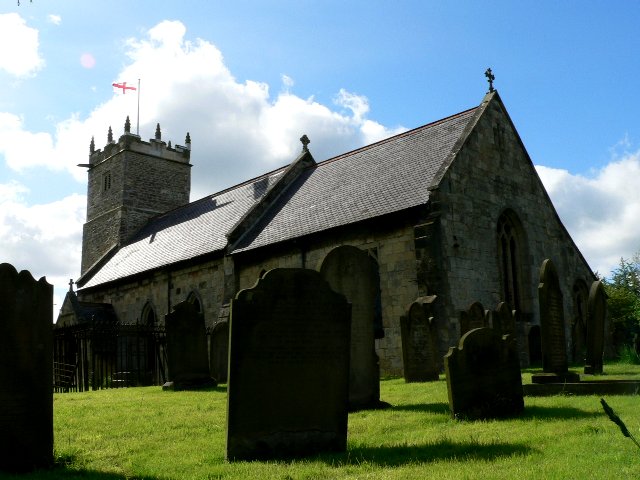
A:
(555, 367)
(483, 376)
(26, 371)
(288, 368)
(474, 317)
(353, 273)
(597, 312)
(503, 319)
(220, 351)
(419, 341)
(187, 357)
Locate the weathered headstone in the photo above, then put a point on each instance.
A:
(483, 376)
(555, 367)
(26, 371)
(419, 341)
(503, 319)
(288, 368)
(597, 312)
(187, 357)
(220, 351)
(353, 273)
(474, 317)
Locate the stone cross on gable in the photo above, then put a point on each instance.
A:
(71, 284)
(490, 78)
(305, 143)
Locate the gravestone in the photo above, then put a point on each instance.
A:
(187, 356)
(353, 273)
(483, 376)
(288, 368)
(503, 319)
(419, 341)
(220, 351)
(474, 317)
(555, 367)
(596, 314)
(26, 371)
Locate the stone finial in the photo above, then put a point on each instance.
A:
(158, 132)
(110, 135)
(71, 284)
(490, 78)
(92, 146)
(187, 141)
(305, 143)
(127, 125)
(169, 144)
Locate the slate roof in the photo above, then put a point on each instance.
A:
(385, 177)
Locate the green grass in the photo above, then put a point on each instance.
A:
(145, 433)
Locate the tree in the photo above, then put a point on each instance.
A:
(623, 290)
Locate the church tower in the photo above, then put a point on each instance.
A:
(129, 182)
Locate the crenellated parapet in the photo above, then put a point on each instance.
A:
(155, 147)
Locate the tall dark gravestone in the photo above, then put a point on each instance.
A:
(26, 371)
(474, 317)
(220, 351)
(288, 368)
(419, 341)
(596, 315)
(353, 273)
(555, 367)
(483, 376)
(503, 319)
(187, 355)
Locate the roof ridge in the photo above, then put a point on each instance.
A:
(396, 136)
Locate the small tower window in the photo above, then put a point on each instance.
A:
(106, 181)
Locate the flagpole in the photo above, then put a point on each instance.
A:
(138, 119)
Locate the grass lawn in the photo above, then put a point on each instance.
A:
(145, 433)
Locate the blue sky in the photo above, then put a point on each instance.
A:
(248, 78)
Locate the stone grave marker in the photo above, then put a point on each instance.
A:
(26, 371)
(503, 319)
(474, 317)
(220, 351)
(187, 356)
(419, 341)
(552, 329)
(596, 315)
(483, 376)
(353, 273)
(288, 368)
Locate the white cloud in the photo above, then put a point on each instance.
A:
(601, 212)
(19, 54)
(238, 129)
(44, 239)
(55, 19)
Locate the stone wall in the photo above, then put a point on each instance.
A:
(492, 174)
(163, 290)
(391, 246)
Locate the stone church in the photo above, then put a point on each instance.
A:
(453, 208)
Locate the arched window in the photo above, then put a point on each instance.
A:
(510, 257)
(194, 300)
(148, 316)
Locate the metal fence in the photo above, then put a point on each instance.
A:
(95, 355)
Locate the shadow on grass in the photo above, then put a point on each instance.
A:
(394, 456)
(63, 469)
(536, 411)
(440, 408)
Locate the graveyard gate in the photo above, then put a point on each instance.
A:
(96, 355)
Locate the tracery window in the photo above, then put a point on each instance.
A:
(193, 299)
(148, 316)
(510, 254)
